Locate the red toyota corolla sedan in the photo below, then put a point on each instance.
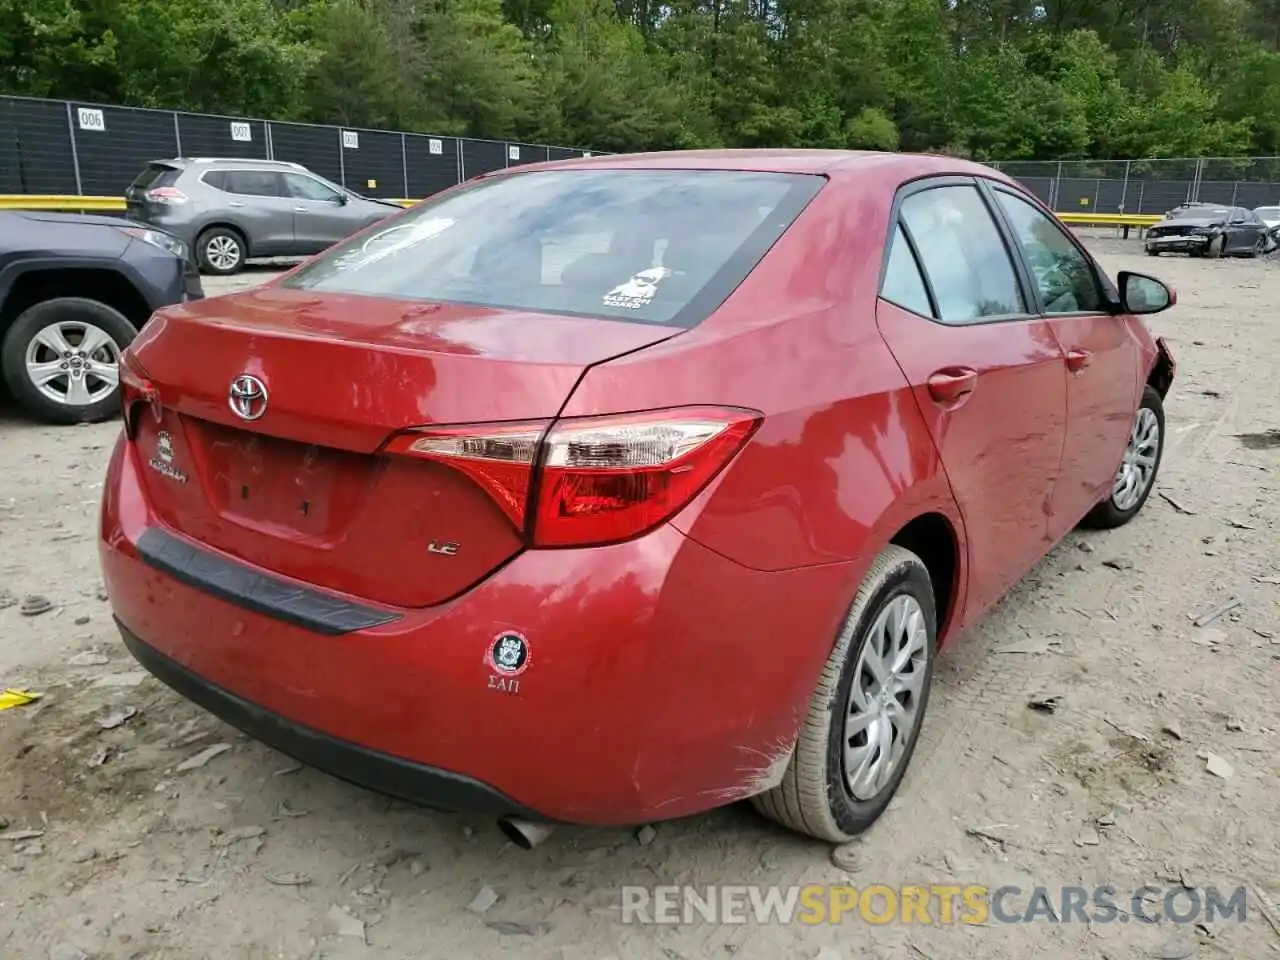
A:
(615, 490)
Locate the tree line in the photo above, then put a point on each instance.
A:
(988, 79)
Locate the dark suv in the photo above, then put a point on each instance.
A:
(230, 210)
(74, 291)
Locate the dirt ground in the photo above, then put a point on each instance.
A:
(248, 856)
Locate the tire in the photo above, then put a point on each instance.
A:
(62, 325)
(1111, 513)
(1152, 251)
(221, 251)
(814, 797)
(1216, 246)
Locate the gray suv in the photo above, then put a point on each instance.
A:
(230, 210)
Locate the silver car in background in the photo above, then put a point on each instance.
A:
(230, 210)
(1271, 217)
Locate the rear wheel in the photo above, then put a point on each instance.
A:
(61, 359)
(221, 251)
(1136, 475)
(865, 715)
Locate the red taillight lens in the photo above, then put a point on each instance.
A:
(607, 479)
(499, 457)
(166, 195)
(598, 479)
(135, 388)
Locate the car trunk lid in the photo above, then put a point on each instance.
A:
(303, 489)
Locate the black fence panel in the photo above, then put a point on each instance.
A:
(563, 153)
(432, 162)
(373, 163)
(35, 147)
(114, 144)
(519, 154)
(1253, 195)
(316, 148)
(202, 136)
(482, 156)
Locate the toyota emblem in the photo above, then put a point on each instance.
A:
(248, 397)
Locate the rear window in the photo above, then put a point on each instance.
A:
(653, 246)
(154, 175)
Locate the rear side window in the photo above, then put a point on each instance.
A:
(154, 175)
(903, 285)
(253, 183)
(653, 246)
(216, 179)
(961, 250)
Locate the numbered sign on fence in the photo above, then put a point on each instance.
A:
(91, 119)
(241, 131)
(513, 152)
(435, 146)
(350, 140)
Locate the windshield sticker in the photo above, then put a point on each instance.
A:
(639, 291)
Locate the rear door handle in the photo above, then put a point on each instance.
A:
(952, 383)
(1077, 360)
(299, 209)
(235, 203)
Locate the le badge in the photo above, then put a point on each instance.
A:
(162, 462)
(507, 658)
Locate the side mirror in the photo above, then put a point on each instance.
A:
(343, 199)
(1142, 294)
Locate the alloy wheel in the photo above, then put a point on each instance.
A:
(73, 363)
(885, 696)
(1138, 465)
(223, 252)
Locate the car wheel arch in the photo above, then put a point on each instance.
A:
(126, 298)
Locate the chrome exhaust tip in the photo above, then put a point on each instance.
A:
(523, 834)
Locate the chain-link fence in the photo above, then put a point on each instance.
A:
(1148, 186)
(81, 149)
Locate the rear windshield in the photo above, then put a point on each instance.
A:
(155, 175)
(653, 246)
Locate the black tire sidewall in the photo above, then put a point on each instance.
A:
(31, 321)
(850, 815)
(202, 242)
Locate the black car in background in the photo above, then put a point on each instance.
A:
(74, 291)
(1209, 230)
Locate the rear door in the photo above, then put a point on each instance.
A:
(257, 202)
(1100, 355)
(321, 215)
(987, 374)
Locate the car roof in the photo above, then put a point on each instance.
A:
(178, 162)
(836, 164)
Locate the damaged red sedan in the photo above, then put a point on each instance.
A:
(615, 490)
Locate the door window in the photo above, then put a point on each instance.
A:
(903, 284)
(307, 188)
(253, 183)
(962, 254)
(1064, 276)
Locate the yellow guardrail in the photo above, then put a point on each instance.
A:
(1111, 219)
(42, 201)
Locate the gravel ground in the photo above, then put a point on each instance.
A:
(249, 857)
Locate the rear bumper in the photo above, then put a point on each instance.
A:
(662, 679)
(413, 782)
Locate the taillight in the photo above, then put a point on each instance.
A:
(135, 388)
(590, 480)
(166, 195)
